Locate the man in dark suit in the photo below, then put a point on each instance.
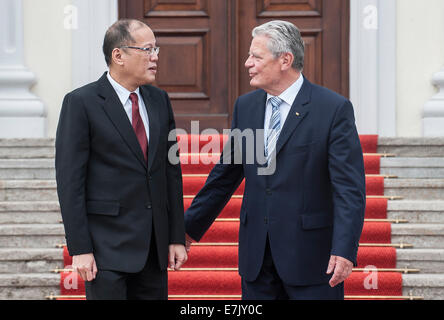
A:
(301, 222)
(121, 199)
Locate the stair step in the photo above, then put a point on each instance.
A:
(27, 148)
(424, 189)
(33, 286)
(412, 147)
(46, 190)
(432, 168)
(427, 260)
(430, 286)
(24, 169)
(417, 211)
(30, 212)
(31, 235)
(419, 235)
(28, 190)
(48, 212)
(26, 260)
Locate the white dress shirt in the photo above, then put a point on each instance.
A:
(288, 97)
(124, 95)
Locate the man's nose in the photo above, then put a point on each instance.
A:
(154, 57)
(249, 63)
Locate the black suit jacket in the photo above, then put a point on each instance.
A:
(112, 200)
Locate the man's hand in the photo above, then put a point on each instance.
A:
(342, 269)
(189, 241)
(85, 266)
(177, 256)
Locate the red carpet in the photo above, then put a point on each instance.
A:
(210, 282)
(376, 209)
(193, 163)
(226, 257)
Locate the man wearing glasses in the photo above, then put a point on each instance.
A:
(121, 199)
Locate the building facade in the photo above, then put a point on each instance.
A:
(389, 57)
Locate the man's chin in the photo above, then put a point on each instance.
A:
(149, 80)
(253, 83)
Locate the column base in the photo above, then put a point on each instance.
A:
(22, 127)
(433, 127)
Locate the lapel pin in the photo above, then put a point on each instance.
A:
(298, 114)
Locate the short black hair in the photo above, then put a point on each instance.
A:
(119, 34)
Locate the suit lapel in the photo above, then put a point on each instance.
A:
(298, 112)
(151, 105)
(257, 116)
(115, 111)
(258, 112)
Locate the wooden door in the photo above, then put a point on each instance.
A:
(204, 45)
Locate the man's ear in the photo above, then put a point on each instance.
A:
(117, 56)
(287, 59)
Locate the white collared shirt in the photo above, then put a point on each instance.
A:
(288, 97)
(124, 95)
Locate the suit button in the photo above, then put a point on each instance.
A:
(268, 191)
(148, 206)
(265, 220)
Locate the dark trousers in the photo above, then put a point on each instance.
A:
(149, 284)
(269, 286)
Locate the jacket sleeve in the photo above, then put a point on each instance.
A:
(346, 168)
(174, 188)
(221, 183)
(71, 161)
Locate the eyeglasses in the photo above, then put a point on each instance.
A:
(150, 51)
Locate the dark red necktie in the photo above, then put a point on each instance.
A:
(138, 126)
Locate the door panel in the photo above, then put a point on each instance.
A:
(204, 45)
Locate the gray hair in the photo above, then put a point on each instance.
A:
(283, 37)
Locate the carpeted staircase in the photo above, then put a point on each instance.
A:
(211, 271)
(403, 235)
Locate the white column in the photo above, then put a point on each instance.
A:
(94, 18)
(22, 114)
(433, 122)
(373, 65)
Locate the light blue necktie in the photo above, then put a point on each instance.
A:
(274, 128)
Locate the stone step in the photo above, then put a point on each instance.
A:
(24, 169)
(27, 148)
(427, 260)
(431, 168)
(48, 212)
(46, 190)
(417, 211)
(429, 286)
(401, 147)
(423, 189)
(26, 260)
(419, 235)
(30, 212)
(32, 286)
(31, 235)
(28, 190)
(36, 286)
(412, 147)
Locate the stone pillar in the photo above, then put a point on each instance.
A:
(373, 65)
(22, 114)
(433, 122)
